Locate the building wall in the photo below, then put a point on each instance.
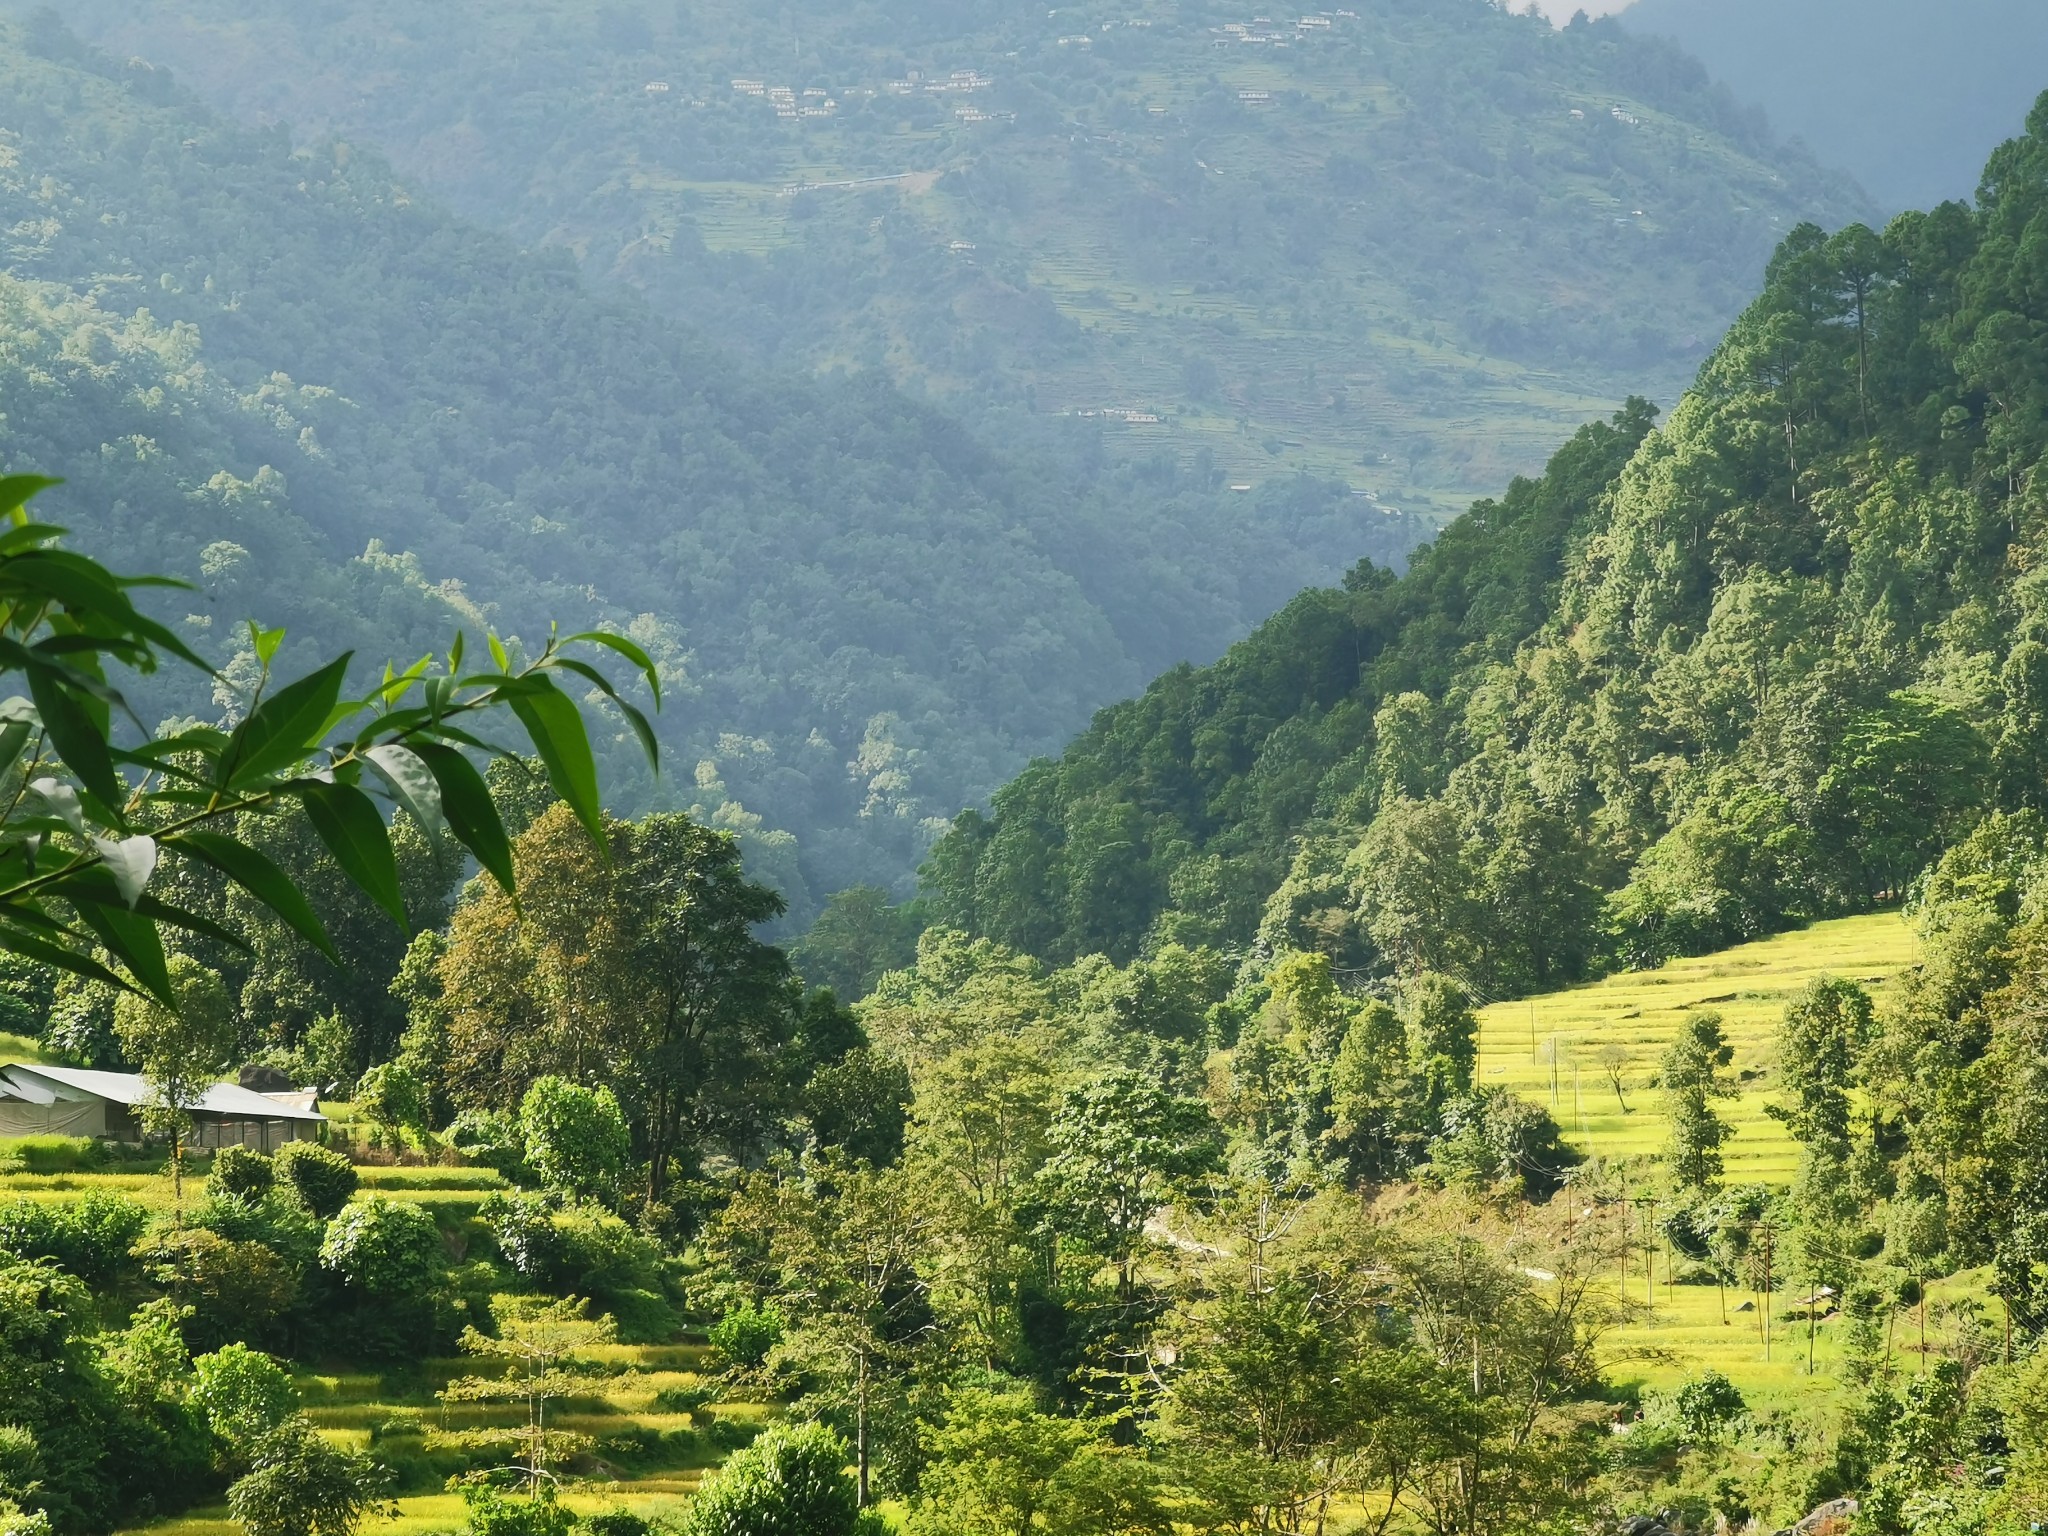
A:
(63, 1118)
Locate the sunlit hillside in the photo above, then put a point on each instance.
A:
(1559, 1048)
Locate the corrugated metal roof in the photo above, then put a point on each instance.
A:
(227, 1099)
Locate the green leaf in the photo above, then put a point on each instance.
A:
(630, 651)
(411, 782)
(133, 940)
(472, 814)
(79, 740)
(347, 822)
(498, 651)
(33, 947)
(255, 873)
(638, 721)
(16, 490)
(284, 728)
(265, 643)
(556, 727)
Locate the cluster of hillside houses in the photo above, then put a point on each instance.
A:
(72, 1101)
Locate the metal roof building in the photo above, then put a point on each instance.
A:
(72, 1101)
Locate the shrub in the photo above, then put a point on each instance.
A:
(1706, 1406)
(244, 1395)
(493, 1512)
(691, 1399)
(322, 1178)
(747, 1333)
(383, 1248)
(575, 1137)
(303, 1486)
(278, 1221)
(615, 1522)
(391, 1097)
(523, 1227)
(241, 1173)
(490, 1138)
(55, 1154)
(790, 1482)
(235, 1290)
(90, 1237)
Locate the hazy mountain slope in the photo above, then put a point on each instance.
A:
(1909, 96)
(868, 616)
(1761, 663)
(1414, 246)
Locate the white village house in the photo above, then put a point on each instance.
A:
(70, 1101)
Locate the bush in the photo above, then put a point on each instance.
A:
(383, 1248)
(575, 1137)
(278, 1221)
(490, 1138)
(55, 1154)
(241, 1173)
(244, 1395)
(684, 1399)
(790, 1482)
(322, 1178)
(237, 1291)
(747, 1333)
(303, 1486)
(615, 1522)
(1706, 1407)
(523, 1227)
(493, 1512)
(91, 1237)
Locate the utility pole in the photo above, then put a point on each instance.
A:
(1770, 1280)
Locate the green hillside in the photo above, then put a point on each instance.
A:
(330, 404)
(1409, 245)
(1749, 668)
(1639, 1012)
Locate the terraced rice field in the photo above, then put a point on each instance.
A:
(647, 1459)
(1555, 1049)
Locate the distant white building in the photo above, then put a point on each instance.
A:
(71, 1101)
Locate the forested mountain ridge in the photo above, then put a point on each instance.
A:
(294, 381)
(1761, 663)
(1410, 243)
(1908, 97)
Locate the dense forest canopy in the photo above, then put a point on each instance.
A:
(1906, 95)
(288, 378)
(1408, 244)
(1758, 664)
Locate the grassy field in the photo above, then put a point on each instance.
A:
(1556, 1048)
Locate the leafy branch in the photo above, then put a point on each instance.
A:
(87, 818)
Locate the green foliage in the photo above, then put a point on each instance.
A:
(1707, 1406)
(241, 1173)
(99, 1458)
(90, 1237)
(790, 1482)
(320, 1177)
(746, 1334)
(301, 1485)
(383, 1248)
(575, 1137)
(493, 1512)
(1692, 1076)
(1495, 1138)
(244, 1396)
(392, 1098)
